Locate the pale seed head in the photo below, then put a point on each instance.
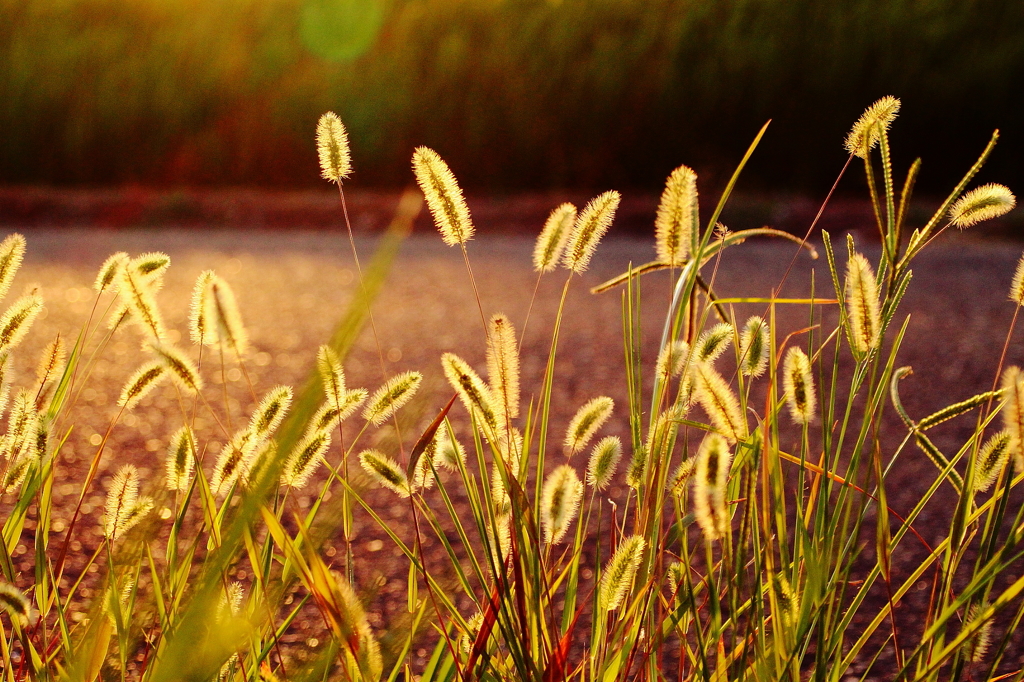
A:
(862, 304)
(124, 507)
(305, 459)
(981, 204)
(270, 412)
(798, 383)
(137, 299)
(474, 393)
(591, 224)
(992, 458)
(713, 342)
(15, 323)
(233, 460)
(180, 460)
(604, 459)
(868, 129)
(332, 148)
(586, 422)
(619, 573)
(503, 366)
(560, 500)
(107, 275)
(754, 347)
(180, 368)
(443, 195)
(332, 374)
(144, 380)
(1013, 412)
(385, 471)
(389, 398)
(672, 359)
(1017, 285)
(711, 477)
(676, 484)
(16, 604)
(719, 402)
(677, 217)
(553, 238)
(215, 320)
(12, 252)
(448, 453)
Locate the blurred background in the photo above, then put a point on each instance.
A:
(518, 95)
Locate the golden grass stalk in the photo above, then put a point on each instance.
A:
(182, 371)
(305, 459)
(620, 572)
(105, 278)
(332, 374)
(214, 319)
(754, 347)
(144, 380)
(713, 342)
(1013, 412)
(586, 422)
(862, 304)
(503, 365)
(389, 398)
(333, 149)
(443, 195)
(16, 604)
(16, 321)
(981, 204)
(798, 385)
(553, 238)
(711, 476)
(385, 471)
(473, 392)
(270, 412)
(677, 214)
(992, 458)
(866, 132)
(604, 459)
(719, 402)
(124, 507)
(560, 501)
(180, 460)
(591, 224)
(676, 484)
(12, 252)
(672, 359)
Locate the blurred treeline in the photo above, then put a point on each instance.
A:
(514, 93)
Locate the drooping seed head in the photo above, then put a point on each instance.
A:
(711, 477)
(862, 304)
(977, 645)
(677, 217)
(305, 459)
(469, 635)
(473, 392)
(719, 402)
(867, 131)
(15, 323)
(12, 252)
(1017, 285)
(138, 301)
(992, 458)
(332, 148)
(385, 471)
(443, 195)
(180, 460)
(1013, 413)
(51, 364)
(106, 277)
(591, 224)
(16, 604)
(661, 434)
(586, 422)
(215, 320)
(672, 359)
(503, 366)
(230, 604)
(981, 204)
(619, 573)
(144, 380)
(604, 459)
(754, 347)
(124, 507)
(389, 398)
(676, 575)
(560, 500)
(232, 461)
(270, 412)
(676, 483)
(332, 374)
(180, 368)
(553, 238)
(448, 453)
(798, 383)
(713, 342)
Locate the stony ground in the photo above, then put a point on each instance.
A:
(293, 287)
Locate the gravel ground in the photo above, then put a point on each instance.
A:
(293, 286)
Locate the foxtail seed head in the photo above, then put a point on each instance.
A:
(180, 459)
(862, 304)
(672, 359)
(981, 204)
(385, 471)
(866, 132)
(620, 572)
(270, 412)
(16, 321)
(503, 366)
(142, 382)
(719, 402)
(474, 393)
(798, 384)
(553, 238)
(51, 363)
(443, 195)
(107, 275)
(604, 459)
(305, 458)
(709, 487)
(332, 374)
(1017, 286)
(215, 320)
(676, 484)
(138, 301)
(591, 224)
(713, 342)
(389, 398)
(233, 460)
(992, 458)
(448, 453)
(677, 217)
(180, 368)
(754, 347)
(560, 500)
(124, 507)
(1013, 413)
(12, 252)
(586, 422)
(16, 604)
(332, 148)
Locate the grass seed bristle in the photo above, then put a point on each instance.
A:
(586, 422)
(16, 604)
(180, 460)
(677, 217)
(137, 299)
(991, 461)
(389, 398)
(709, 487)
(713, 342)
(676, 484)
(503, 366)
(333, 149)
(123, 508)
(620, 572)
(862, 304)
(107, 274)
(473, 392)
(604, 459)
(719, 402)
(1017, 285)
(270, 412)
(232, 461)
(981, 204)
(553, 238)
(754, 347)
(17, 320)
(305, 459)
(178, 366)
(591, 224)
(448, 453)
(332, 374)
(798, 383)
(443, 195)
(144, 380)
(12, 253)
(866, 132)
(672, 359)
(385, 471)
(560, 501)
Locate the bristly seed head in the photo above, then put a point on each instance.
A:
(560, 500)
(672, 359)
(448, 453)
(604, 459)
(591, 224)
(385, 471)
(586, 422)
(16, 604)
(1017, 286)
(124, 507)
(503, 366)
(305, 458)
(553, 238)
(474, 393)
(719, 402)
(12, 252)
(443, 195)
(982, 203)
(862, 304)
(677, 217)
(620, 572)
(180, 459)
(866, 132)
(270, 412)
(1013, 413)
(713, 342)
(389, 398)
(754, 348)
(992, 457)
(676, 483)
(709, 487)
(332, 374)
(215, 320)
(798, 383)
(108, 271)
(16, 321)
(181, 369)
(141, 383)
(332, 148)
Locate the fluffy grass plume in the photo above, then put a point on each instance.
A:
(711, 475)
(473, 392)
(977, 646)
(754, 347)
(1013, 413)
(862, 303)
(329, 416)
(214, 319)
(51, 363)
(443, 195)
(107, 274)
(124, 507)
(619, 572)
(586, 422)
(713, 342)
(676, 217)
(332, 374)
(981, 204)
(305, 458)
(503, 365)
(270, 412)
(672, 359)
(332, 148)
(798, 384)
(144, 380)
(719, 402)
(1017, 285)
(389, 398)
(16, 322)
(992, 457)
(591, 224)
(560, 500)
(12, 252)
(448, 453)
(385, 471)
(180, 460)
(233, 460)
(866, 132)
(137, 299)
(676, 483)
(179, 366)
(16, 604)
(553, 238)
(604, 459)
